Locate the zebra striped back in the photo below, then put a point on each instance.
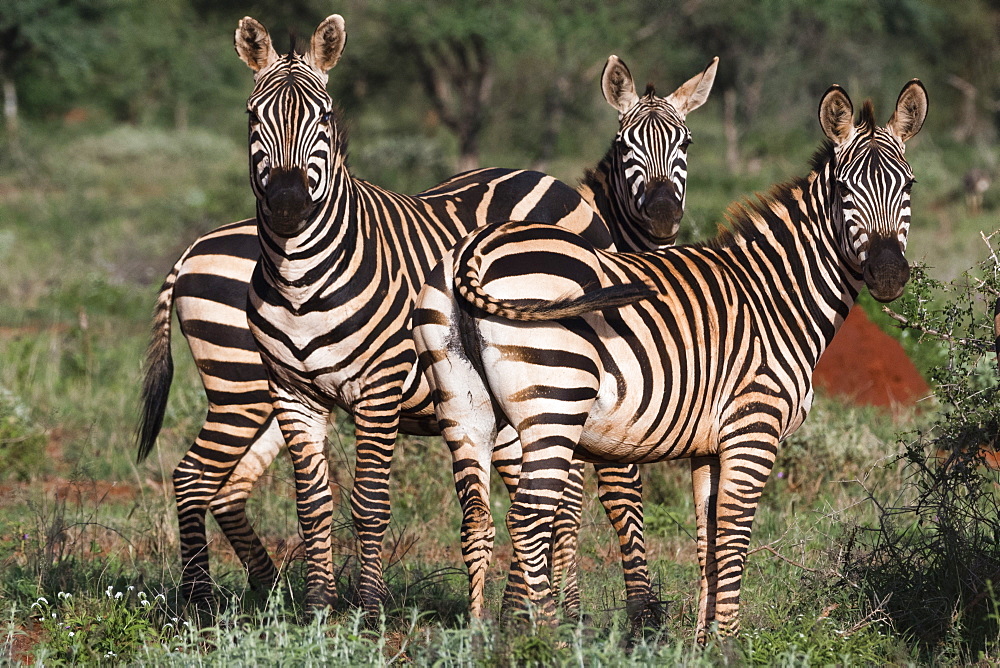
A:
(716, 366)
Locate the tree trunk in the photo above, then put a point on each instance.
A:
(554, 113)
(729, 101)
(458, 79)
(10, 107)
(967, 121)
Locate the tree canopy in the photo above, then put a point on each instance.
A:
(521, 73)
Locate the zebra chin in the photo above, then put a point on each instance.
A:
(288, 205)
(886, 270)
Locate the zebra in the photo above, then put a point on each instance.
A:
(703, 351)
(209, 283)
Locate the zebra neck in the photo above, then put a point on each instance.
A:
(828, 285)
(787, 248)
(332, 238)
(598, 188)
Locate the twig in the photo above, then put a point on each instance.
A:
(986, 240)
(876, 615)
(782, 557)
(983, 346)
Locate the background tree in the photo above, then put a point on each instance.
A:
(51, 40)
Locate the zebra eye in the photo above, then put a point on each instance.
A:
(687, 141)
(326, 117)
(843, 189)
(254, 119)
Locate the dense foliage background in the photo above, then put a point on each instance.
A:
(123, 138)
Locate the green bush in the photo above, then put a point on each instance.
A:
(931, 558)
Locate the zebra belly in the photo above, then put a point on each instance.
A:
(617, 439)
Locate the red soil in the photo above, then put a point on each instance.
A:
(868, 367)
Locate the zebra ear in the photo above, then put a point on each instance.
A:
(253, 44)
(911, 110)
(328, 42)
(617, 85)
(693, 93)
(836, 115)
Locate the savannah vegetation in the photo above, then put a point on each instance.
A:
(123, 138)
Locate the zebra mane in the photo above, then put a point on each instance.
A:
(293, 39)
(740, 216)
(866, 122)
(341, 140)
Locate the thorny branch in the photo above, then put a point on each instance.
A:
(977, 344)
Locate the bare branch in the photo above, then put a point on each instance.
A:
(977, 344)
(782, 557)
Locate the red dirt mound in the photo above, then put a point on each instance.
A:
(868, 367)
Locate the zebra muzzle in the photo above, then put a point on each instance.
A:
(288, 201)
(886, 271)
(663, 209)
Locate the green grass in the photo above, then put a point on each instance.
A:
(89, 224)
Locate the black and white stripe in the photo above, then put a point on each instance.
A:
(710, 358)
(212, 275)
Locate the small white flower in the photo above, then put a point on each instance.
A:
(142, 595)
(65, 595)
(131, 587)
(118, 595)
(109, 591)
(72, 633)
(144, 603)
(160, 597)
(41, 599)
(53, 615)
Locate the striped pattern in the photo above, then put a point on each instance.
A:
(219, 471)
(712, 361)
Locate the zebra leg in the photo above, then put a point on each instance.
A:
(376, 425)
(229, 508)
(472, 484)
(544, 471)
(705, 482)
(744, 469)
(620, 491)
(507, 462)
(565, 542)
(304, 429)
(506, 458)
(197, 478)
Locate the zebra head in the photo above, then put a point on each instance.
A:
(870, 184)
(294, 141)
(649, 153)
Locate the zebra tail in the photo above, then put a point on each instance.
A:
(159, 367)
(533, 310)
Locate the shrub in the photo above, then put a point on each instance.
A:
(932, 556)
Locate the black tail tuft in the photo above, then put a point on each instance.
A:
(159, 367)
(155, 390)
